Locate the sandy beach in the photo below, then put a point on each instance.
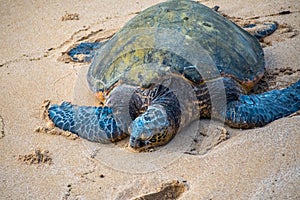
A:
(260, 163)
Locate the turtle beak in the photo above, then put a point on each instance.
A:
(136, 143)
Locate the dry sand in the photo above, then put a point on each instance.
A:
(262, 163)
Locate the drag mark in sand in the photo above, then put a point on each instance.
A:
(1, 127)
(169, 190)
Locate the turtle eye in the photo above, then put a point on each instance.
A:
(153, 140)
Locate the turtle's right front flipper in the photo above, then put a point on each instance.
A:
(96, 124)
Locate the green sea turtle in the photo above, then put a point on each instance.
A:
(164, 69)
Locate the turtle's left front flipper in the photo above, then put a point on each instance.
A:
(96, 124)
(250, 111)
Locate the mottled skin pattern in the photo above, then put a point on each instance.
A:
(101, 126)
(179, 43)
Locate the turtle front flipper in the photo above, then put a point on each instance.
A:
(96, 124)
(250, 111)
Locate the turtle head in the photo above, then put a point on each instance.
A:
(150, 129)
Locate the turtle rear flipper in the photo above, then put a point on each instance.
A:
(85, 51)
(96, 124)
(261, 31)
(251, 111)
